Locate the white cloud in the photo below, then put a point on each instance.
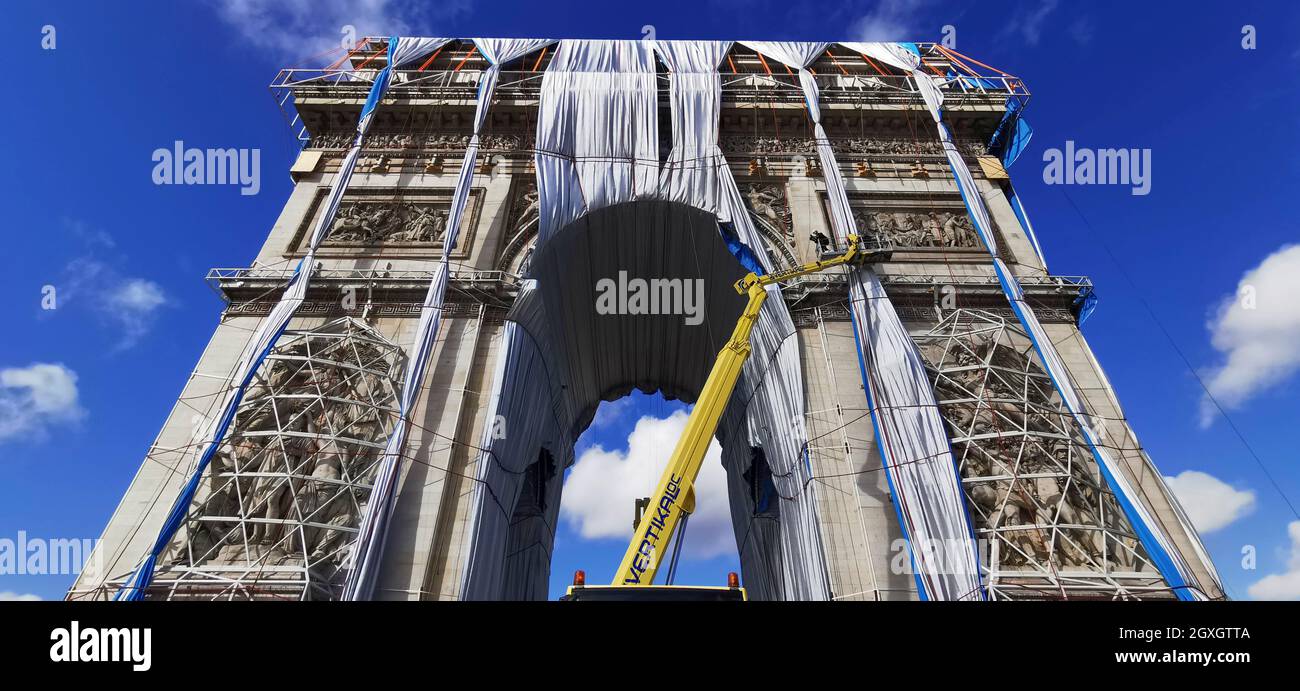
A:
(600, 491)
(1211, 503)
(296, 28)
(1028, 24)
(1285, 585)
(890, 20)
(131, 304)
(89, 235)
(11, 596)
(35, 397)
(1257, 331)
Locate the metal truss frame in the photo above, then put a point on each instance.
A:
(283, 497)
(746, 89)
(1047, 524)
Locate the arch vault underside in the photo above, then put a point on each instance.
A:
(563, 352)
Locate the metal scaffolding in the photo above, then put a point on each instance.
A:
(1047, 524)
(281, 501)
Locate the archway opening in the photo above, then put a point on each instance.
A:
(618, 459)
(634, 297)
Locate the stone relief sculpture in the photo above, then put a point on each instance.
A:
(919, 228)
(768, 203)
(403, 222)
(524, 210)
(527, 262)
(286, 490)
(440, 142)
(1036, 497)
(768, 144)
(522, 222)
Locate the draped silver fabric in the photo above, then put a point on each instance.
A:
(369, 547)
(580, 169)
(597, 141)
(412, 48)
(695, 166)
(783, 560)
(891, 54)
(597, 146)
(912, 438)
(498, 51)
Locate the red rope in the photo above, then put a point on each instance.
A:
(433, 57)
(873, 64)
(372, 57)
(539, 58)
(347, 55)
(468, 55)
(837, 62)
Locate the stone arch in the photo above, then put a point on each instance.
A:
(522, 241)
(562, 353)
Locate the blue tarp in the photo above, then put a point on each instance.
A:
(1084, 305)
(973, 82)
(381, 82)
(740, 250)
(1012, 135)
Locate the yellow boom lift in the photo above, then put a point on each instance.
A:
(675, 497)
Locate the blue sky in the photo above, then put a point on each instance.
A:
(84, 118)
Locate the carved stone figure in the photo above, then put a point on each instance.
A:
(852, 145)
(1032, 484)
(910, 233)
(959, 232)
(526, 207)
(918, 228)
(287, 487)
(933, 229)
(768, 203)
(527, 262)
(368, 223)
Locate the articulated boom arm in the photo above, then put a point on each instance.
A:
(669, 502)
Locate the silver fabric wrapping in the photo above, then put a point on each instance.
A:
(554, 374)
(784, 560)
(368, 549)
(911, 435)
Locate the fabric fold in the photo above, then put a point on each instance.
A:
(910, 432)
(368, 549)
(580, 169)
